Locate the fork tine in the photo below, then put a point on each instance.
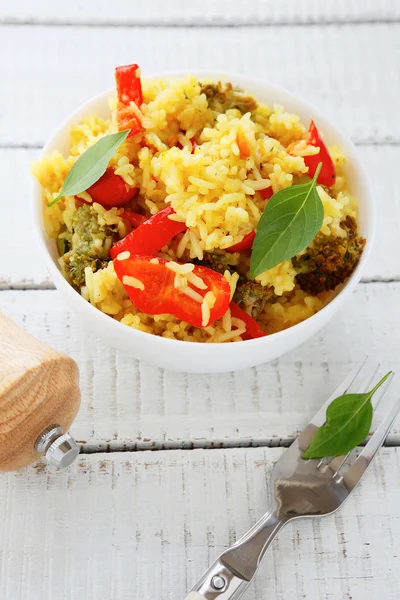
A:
(354, 387)
(381, 433)
(366, 383)
(380, 392)
(337, 463)
(319, 419)
(364, 459)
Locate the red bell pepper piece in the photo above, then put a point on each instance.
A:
(151, 235)
(111, 190)
(135, 219)
(129, 89)
(266, 193)
(126, 119)
(129, 86)
(327, 175)
(253, 330)
(159, 295)
(245, 244)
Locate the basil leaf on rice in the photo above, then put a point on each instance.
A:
(91, 165)
(289, 223)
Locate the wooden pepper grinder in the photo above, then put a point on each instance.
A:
(39, 399)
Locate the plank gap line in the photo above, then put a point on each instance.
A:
(26, 286)
(393, 441)
(371, 280)
(8, 146)
(372, 142)
(202, 24)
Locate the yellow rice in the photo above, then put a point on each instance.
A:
(213, 190)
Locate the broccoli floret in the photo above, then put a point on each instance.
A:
(329, 260)
(252, 296)
(91, 241)
(223, 96)
(75, 264)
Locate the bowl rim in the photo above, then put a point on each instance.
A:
(317, 319)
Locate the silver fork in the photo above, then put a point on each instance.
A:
(301, 488)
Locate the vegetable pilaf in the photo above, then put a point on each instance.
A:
(196, 212)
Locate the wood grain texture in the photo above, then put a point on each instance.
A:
(197, 12)
(28, 270)
(128, 402)
(337, 68)
(38, 387)
(104, 530)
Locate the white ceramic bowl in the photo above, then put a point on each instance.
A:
(197, 357)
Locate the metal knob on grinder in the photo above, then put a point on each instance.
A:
(59, 448)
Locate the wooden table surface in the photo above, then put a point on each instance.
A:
(176, 466)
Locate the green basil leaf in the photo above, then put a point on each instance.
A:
(348, 422)
(289, 223)
(91, 165)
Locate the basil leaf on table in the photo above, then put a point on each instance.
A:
(289, 223)
(348, 422)
(91, 165)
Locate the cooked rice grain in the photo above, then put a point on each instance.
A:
(133, 282)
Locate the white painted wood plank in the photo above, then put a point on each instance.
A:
(351, 72)
(26, 267)
(17, 240)
(196, 12)
(129, 402)
(103, 530)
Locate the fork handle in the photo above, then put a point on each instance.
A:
(230, 575)
(232, 589)
(238, 593)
